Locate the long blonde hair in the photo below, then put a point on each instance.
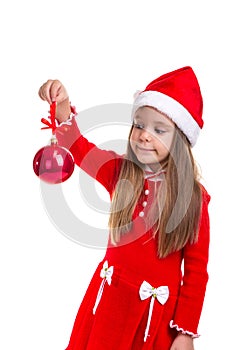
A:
(175, 212)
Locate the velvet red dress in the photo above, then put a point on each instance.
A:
(113, 314)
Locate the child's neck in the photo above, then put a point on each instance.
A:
(155, 168)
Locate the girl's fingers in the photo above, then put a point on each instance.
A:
(56, 91)
(44, 91)
(53, 90)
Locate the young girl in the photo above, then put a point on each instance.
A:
(148, 291)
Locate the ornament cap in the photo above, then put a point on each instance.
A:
(53, 140)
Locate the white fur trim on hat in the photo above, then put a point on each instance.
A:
(173, 109)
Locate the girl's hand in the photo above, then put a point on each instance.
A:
(54, 90)
(182, 342)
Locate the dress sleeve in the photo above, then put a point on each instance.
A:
(195, 278)
(102, 165)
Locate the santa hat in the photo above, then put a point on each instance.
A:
(176, 94)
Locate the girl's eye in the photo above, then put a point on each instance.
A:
(159, 131)
(142, 126)
(138, 126)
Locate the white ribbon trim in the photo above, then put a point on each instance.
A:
(106, 273)
(147, 291)
(193, 335)
(68, 121)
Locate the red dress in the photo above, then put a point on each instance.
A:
(114, 314)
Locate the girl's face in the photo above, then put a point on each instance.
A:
(151, 137)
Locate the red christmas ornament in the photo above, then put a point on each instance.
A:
(53, 164)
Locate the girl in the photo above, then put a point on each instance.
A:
(148, 291)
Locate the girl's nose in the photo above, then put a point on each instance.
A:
(145, 135)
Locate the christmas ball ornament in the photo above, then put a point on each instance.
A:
(53, 164)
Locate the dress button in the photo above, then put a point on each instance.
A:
(144, 204)
(147, 192)
(141, 214)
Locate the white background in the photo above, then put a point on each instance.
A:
(102, 51)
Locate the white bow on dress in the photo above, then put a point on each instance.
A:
(161, 294)
(106, 273)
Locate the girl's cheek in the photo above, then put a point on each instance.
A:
(133, 136)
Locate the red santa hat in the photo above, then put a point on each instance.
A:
(178, 95)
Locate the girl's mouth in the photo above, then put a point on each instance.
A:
(145, 149)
